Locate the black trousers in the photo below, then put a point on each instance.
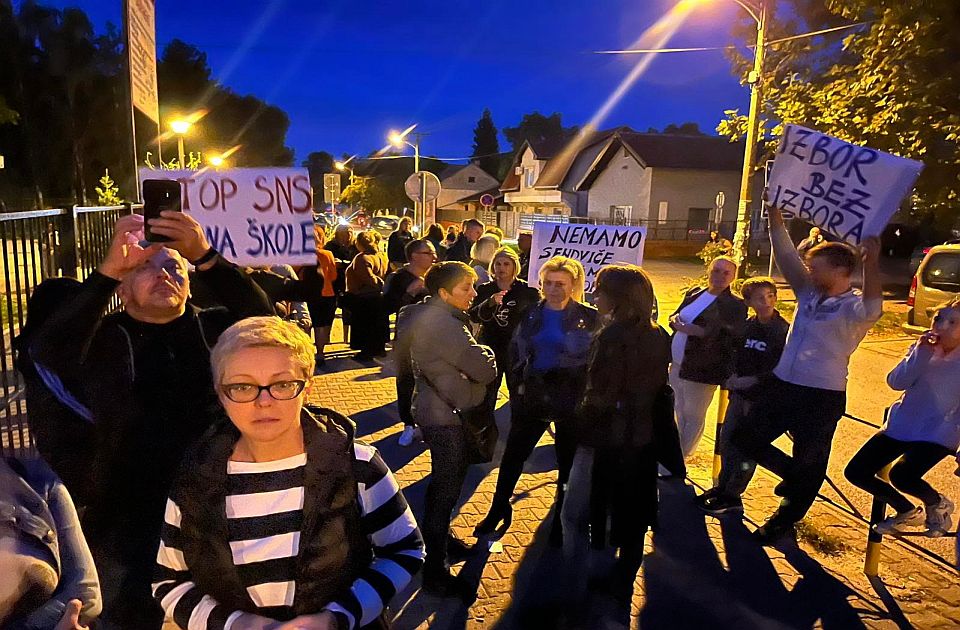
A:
(369, 322)
(810, 415)
(526, 428)
(448, 470)
(915, 460)
(405, 384)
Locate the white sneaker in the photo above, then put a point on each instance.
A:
(938, 517)
(910, 518)
(410, 433)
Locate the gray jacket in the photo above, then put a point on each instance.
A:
(447, 358)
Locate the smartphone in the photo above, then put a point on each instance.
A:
(159, 195)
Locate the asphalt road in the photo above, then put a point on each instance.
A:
(867, 397)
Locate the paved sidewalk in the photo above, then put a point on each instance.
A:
(698, 570)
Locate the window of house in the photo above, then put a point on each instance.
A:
(528, 177)
(471, 179)
(620, 215)
(662, 212)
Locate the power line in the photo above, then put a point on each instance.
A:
(731, 47)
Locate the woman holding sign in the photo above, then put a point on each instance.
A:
(547, 373)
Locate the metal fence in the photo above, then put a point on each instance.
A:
(673, 230)
(37, 245)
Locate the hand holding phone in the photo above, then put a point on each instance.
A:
(160, 195)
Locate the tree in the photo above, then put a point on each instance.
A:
(537, 128)
(370, 193)
(318, 163)
(893, 85)
(231, 120)
(486, 146)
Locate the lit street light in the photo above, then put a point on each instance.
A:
(398, 139)
(180, 127)
(340, 166)
(216, 161)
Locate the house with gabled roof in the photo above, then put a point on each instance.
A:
(461, 186)
(622, 176)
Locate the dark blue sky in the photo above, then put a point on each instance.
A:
(347, 71)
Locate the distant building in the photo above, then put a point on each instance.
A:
(665, 181)
(461, 187)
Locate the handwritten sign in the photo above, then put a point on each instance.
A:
(252, 216)
(848, 190)
(595, 246)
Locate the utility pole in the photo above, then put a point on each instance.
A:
(741, 238)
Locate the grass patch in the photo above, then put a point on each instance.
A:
(821, 541)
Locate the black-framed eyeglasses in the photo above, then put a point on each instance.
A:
(249, 392)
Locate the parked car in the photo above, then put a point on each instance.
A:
(920, 251)
(936, 281)
(385, 224)
(326, 220)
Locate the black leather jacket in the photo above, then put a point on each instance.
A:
(710, 359)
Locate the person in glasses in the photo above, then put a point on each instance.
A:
(279, 515)
(143, 373)
(498, 308)
(402, 288)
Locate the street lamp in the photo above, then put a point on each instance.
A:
(398, 139)
(216, 161)
(180, 127)
(760, 15)
(343, 166)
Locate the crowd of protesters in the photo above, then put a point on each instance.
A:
(177, 432)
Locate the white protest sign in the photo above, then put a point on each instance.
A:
(595, 246)
(253, 216)
(848, 190)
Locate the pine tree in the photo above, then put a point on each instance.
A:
(485, 144)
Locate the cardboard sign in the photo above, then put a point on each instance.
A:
(848, 190)
(595, 246)
(253, 216)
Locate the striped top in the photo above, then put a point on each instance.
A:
(264, 507)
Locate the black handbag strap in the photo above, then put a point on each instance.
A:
(456, 410)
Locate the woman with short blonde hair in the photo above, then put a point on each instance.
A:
(571, 267)
(547, 372)
(269, 520)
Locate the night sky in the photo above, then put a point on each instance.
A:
(347, 72)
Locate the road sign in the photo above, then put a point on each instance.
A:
(431, 186)
(486, 200)
(331, 187)
(719, 208)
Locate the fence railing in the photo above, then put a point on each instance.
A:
(37, 245)
(672, 230)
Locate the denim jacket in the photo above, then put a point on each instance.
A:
(36, 507)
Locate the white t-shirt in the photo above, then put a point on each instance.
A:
(689, 313)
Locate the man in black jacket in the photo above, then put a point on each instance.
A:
(145, 375)
(460, 250)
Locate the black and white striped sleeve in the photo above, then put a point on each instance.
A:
(389, 525)
(173, 586)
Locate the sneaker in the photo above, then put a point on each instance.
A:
(410, 435)
(772, 532)
(721, 504)
(939, 517)
(910, 518)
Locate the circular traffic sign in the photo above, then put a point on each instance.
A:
(486, 200)
(431, 186)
